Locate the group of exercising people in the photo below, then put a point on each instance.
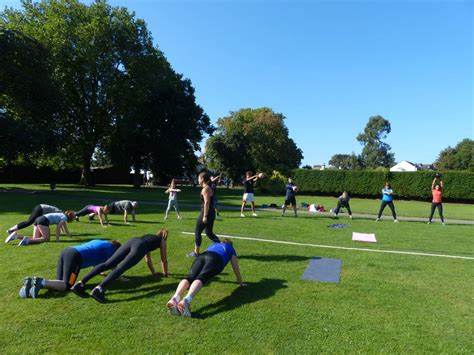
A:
(112, 255)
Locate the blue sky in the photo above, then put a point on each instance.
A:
(327, 66)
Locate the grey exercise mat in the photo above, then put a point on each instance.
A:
(323, 269)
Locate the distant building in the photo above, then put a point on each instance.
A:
(405, 165)
(319, 167)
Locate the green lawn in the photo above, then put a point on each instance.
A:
(384, 303)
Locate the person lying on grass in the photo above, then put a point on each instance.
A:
(71, 261)
(41, 231)
(206, 265)
(127, 256)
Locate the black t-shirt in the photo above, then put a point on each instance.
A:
(152, 241)
(248, 186)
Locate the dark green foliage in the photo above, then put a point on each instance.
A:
(376, 152)
(461, 157)
(406, 185)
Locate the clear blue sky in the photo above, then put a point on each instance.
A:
(327, 66)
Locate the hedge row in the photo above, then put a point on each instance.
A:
(459, 185)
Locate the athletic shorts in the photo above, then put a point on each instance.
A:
(69, 265)
(205, 266)
(42, 221)
(290, 201)
(248, 197)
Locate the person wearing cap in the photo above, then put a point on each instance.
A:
(124, 206)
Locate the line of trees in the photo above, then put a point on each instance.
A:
(78, 80)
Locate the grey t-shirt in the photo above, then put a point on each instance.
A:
(120, 206)
(55, 218)
(49, 209)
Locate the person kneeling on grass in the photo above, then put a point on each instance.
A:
(205, 266)
(127, 256)
(71, 261)
(38, 211)
(41, 232)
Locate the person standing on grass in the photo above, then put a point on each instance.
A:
(290, 198)
(214, 181)
(172, 199)
(71, 261)
(248, 196)
(127, 256)
(387, 200)
(343, 202)
(38, 211)
(41, 232)
(437, 192)
(125, 206)
(207, 265)
(92, 210)
(207, 215)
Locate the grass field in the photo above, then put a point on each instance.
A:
(384, 302)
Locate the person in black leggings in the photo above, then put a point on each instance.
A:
(127, 256)
(207, 215)
(38, 211)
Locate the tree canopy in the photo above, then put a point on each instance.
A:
(461, 157)
(252, 139)
(114, 90)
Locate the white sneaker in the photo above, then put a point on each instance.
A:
(179, 217)
(350, 216)
(242, 215)
(331, 210)
(395, 220)
(428, 223)
(25, 241)
(254, 214)
(377, 219)
(172, 306)
(11, 237)
(184, 309)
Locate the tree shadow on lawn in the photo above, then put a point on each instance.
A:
(271, 258)
(253, 292)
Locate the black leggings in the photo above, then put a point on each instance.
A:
(211, 216)
(392, 207)
(69, 265)
(37, 212)
(205, 266)
(127, 256)
(440, 210)
(341, 205)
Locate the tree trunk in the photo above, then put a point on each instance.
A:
(137, 180)
(86, 175)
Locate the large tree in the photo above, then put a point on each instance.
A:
(376, 153)
(345, 161)
(461, 157)
(252, 139)
(93, 49)
(28, 98)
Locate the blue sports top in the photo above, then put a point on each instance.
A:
(95, 252)
(225, 250)
(386, 195)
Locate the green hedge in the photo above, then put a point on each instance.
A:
(459, 185)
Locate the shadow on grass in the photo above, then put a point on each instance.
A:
(271, 258)
(255, 291)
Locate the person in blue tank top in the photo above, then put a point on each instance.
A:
(71, 261)
(205, 266)
(387, 200)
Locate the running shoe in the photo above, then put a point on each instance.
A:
(192, 254)
(350, 216)
(25, 290)
(184, 308)
(98, 295)
(25, 241)
(11, 237)
(395, 220)
(254, 214)
(242, 215)
(76, 218)
(36, 287)
(179, 217)
(377, 219)
(78, 289)
(172, 306)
